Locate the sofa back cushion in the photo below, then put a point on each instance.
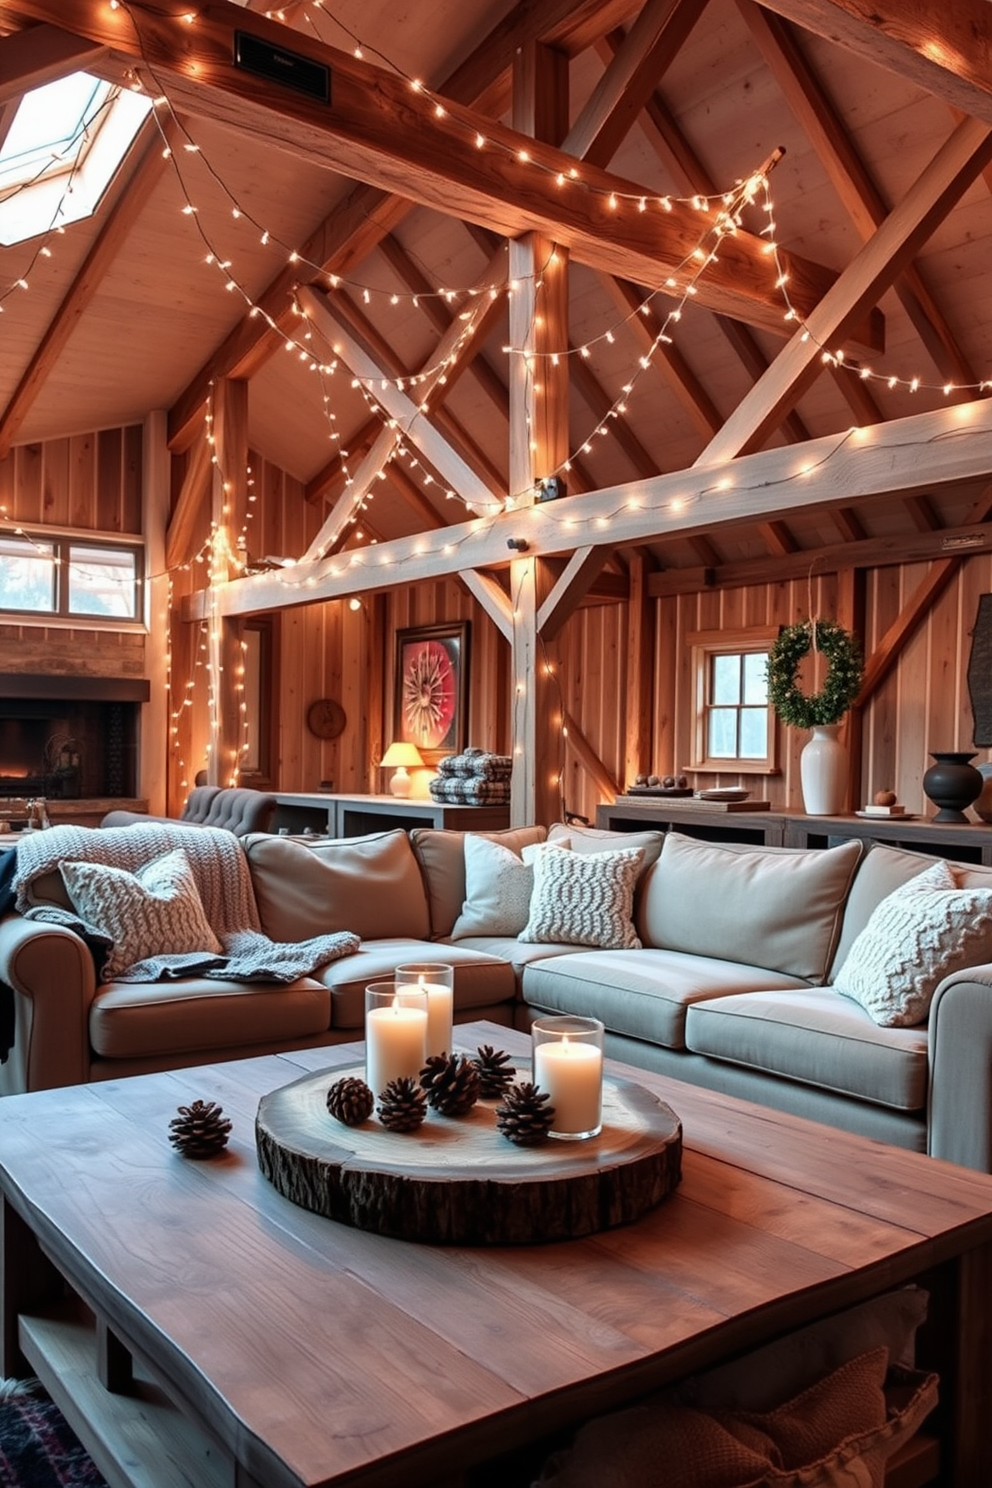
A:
(370, 885)
(598, 839)
(441, 855)
(882, 870)
(775, 907)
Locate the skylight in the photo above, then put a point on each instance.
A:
(63, 148)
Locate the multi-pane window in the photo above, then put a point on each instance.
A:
(733, 722)
(60, 576)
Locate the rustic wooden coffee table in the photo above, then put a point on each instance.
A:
(213, 1333)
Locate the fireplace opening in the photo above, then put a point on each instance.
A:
(66, 748)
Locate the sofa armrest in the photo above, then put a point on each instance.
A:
(960, 1039)
(51, 973)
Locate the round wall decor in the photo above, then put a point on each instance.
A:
(326, 718)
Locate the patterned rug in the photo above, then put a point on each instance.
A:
(37, 1449)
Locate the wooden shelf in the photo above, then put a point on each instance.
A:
(970, 842)
(138, 1440)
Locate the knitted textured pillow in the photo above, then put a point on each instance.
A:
(584, 899)
(153, 912)
(916, 936)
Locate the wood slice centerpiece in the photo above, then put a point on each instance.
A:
(457, 1181)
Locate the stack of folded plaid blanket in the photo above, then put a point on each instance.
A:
(473, 778)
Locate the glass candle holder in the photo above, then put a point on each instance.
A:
(438, 981)
(395, 1033)
(568, 1065)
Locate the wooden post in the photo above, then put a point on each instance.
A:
(228, 508)
(538, 448)
(155, 731)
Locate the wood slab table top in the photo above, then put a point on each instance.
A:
(311, 1353)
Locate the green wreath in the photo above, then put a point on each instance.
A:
(840, 686)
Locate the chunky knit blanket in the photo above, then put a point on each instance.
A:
(223, 880)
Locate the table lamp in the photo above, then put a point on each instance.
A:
(400, 758)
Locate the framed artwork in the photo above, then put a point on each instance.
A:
(431, 704)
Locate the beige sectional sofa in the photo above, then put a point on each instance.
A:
(722, 976)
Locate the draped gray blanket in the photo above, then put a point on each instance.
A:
(223, 880)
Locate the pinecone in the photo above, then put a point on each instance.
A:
(495, 1072)
(451, 1082)
(402, 1105)
(199, 1130)
(525, 1116)
(350, 1100)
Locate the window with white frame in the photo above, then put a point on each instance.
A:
(733, 722)
(63, 576)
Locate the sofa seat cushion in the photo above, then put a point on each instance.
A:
(644, 994)
(817, 1036)
(480, 980)
(133, 1020)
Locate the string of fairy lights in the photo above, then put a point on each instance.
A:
(721, 216)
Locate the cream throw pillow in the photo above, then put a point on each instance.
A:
(916, 936)
(498, 886)
(583, 898)
(154, 912)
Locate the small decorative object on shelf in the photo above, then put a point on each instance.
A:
(451, 1083)
(952, 783)
(525, 1117)
(495, 1072)
(402, 1105)
(200, 1129)
(350, 1101)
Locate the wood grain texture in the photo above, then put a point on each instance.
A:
(458, 1182)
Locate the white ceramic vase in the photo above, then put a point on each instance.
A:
(823, 772)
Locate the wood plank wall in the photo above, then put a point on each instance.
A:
(92, 483)
(87, 483)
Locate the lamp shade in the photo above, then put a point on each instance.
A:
(407, 755)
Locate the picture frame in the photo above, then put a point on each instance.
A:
(430, 707)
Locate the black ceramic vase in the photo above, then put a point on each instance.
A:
(952, 784)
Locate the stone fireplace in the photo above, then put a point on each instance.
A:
(68, 738)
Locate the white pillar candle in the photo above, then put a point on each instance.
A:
(436, 980)
(572, 1074)
(395, 1044)
(440, 1003)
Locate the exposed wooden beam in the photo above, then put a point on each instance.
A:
(355, 226)
(822, 125)
(892, 457)
(493, 598)
(704, 550)
(944, 49)
(592, 764)
(320, 484)
(872, 270)
(388, 134)
(587, 385)
(644, 326)
(567, 593)
(441, 318)
(671, 146)
(848, 523)
(190, 505)
(864, 552)
(43, 54)
(926, 594)
(625, 87)
(778, 537)
(130, 194)
(925, 519)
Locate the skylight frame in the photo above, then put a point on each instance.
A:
(40, 198)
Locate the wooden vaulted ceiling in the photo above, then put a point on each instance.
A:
(882, 208)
